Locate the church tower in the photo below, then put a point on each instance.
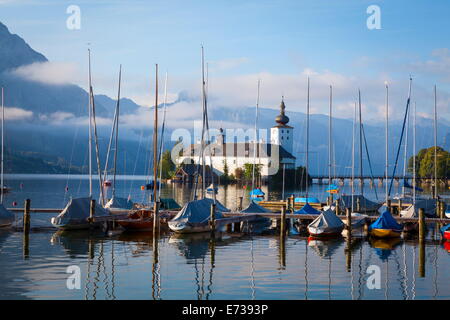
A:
(281, 133)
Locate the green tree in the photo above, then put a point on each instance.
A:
(425, 163)
(248, 171)
(167, 166)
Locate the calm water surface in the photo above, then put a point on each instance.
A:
(229, 266)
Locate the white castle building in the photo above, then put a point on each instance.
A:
(271, 156)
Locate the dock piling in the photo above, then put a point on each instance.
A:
(26, 229)
(212, 221)
(92, 211)
(26, 216)
(240, 203)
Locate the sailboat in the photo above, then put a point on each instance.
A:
(144, 219)
(76, 213)
(307, 208)
(256, 193)
(386, 226)
(357, 219)
(6, 217)
(115, 203)
(195, 216)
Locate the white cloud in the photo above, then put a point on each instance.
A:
(48, 72)
(12, 113)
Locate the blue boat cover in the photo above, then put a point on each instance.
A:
(307, 209)
(255, 208)
(407, 185)
(386, 221)
(307, 200)
(257, 192)
(445, 228)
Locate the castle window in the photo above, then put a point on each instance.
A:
(282, 131)
(287, 138)
(282, 138)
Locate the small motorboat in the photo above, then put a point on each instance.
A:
(312, 200)
(327, 224)
(385, 226)
(6, 217)
(139, 220)
(76, 214)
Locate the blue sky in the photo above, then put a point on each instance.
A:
(280, 42)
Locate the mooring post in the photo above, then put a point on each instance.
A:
(358, 204)
(442, 209)
(156, 217)
(283, 222)
(388, 205)
(293, 203)
(26, 216)
(240, 203)
(421, 225)
(283, 237)
(212, 221)
(349, 222)
(26, 228)
(92, 211)
(337, 207)
(400, 208)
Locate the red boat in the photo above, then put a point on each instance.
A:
(447, 235)
(140, 220)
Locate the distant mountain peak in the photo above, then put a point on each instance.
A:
(15, 52)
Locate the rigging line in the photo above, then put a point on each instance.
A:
(116, 150)
(368, 158)
(401, 137)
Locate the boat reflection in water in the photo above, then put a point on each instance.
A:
(384, 247)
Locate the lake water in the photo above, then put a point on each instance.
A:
(229, 266)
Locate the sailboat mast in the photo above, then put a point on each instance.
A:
(387, 142)
(414, 156)
(360, 145)
(435, 143)
(329, 137)
(307, 143)
(90, 125)
(2, 160)
(155, 142)
(256, 138)
(116, 150)
(161, 148)
(353, 155)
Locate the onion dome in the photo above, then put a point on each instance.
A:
(282, 118)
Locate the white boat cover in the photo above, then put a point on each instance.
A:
(255, 208)
(199, 211)
(77, 211)
(119, 203)
(6, 217)
(327, 220)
